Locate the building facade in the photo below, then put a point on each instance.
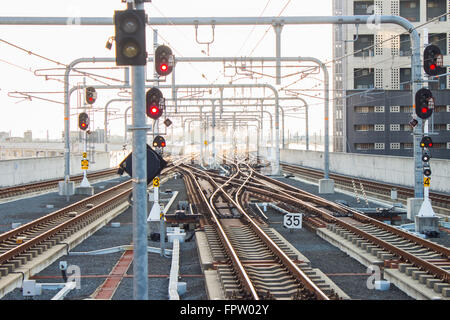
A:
(372, 73)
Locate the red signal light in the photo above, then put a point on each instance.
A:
(424, 110)
(154, 110)
(163, 144)
(164, 67)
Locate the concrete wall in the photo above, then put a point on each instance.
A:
(21, 171)
(391, 169)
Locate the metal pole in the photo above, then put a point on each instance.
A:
(213, 128)
(105, 120)
(278, 27)
(139, 158)
(126, 129)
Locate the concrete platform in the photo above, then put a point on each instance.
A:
(406, 277)
(414, 289)
(349, 248)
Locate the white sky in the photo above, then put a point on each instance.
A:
(67, 43)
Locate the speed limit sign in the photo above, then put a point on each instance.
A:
(293, 220)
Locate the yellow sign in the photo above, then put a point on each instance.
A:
(84, 154)
(156, 182)
(426, 181)
(206, 143)
(84, 164)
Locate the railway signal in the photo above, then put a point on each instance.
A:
(426, 170)
(426, 142)
(83, 121)
(163, 60)
(426, 156)
(432, 60)
(424, 103)
(91, 95)
(159, 142)
(154, 103)
(155, 163)
(130, 37)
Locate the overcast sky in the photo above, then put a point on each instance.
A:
(64, 44)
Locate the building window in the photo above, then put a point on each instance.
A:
(395, 127)
(440, 127)
(363, 127)
(408, 145)
(379, 108)
(436, 8)
(362, 8)
(363, 109)
(395, 145)
(364, 78)
(379, 146)
(394, 109)
(379, 127)
(363, 146)
(440, 40)
(410, 9)
(363, 41)
(405, 45)
(406, 109)
(405, 78)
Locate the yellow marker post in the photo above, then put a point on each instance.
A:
(156, 182)
(426, 181)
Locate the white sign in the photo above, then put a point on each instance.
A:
(293, 220)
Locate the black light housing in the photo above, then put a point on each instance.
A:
(431, 54)
(163, 60)
(83, 121)
(159, 142)
(91, 95)
(424, 103)
(130, 37)
(154, 108)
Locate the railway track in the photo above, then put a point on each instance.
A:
(37, 187)
(424, 261)
(439, 201)
(393, 247)
(26, 250)
(251, 263)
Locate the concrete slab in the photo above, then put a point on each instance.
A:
(349, 248)
(412, 288)
(326, 186)
(89, 191)
(204, 254)
(424, 224)
(66, 188)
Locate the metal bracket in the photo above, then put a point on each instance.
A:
(207, 42)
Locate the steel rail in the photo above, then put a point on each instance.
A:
(292, 267)
(49, 183)
(53, 231)
(244, 277)
(442, 273)
(405, 192)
